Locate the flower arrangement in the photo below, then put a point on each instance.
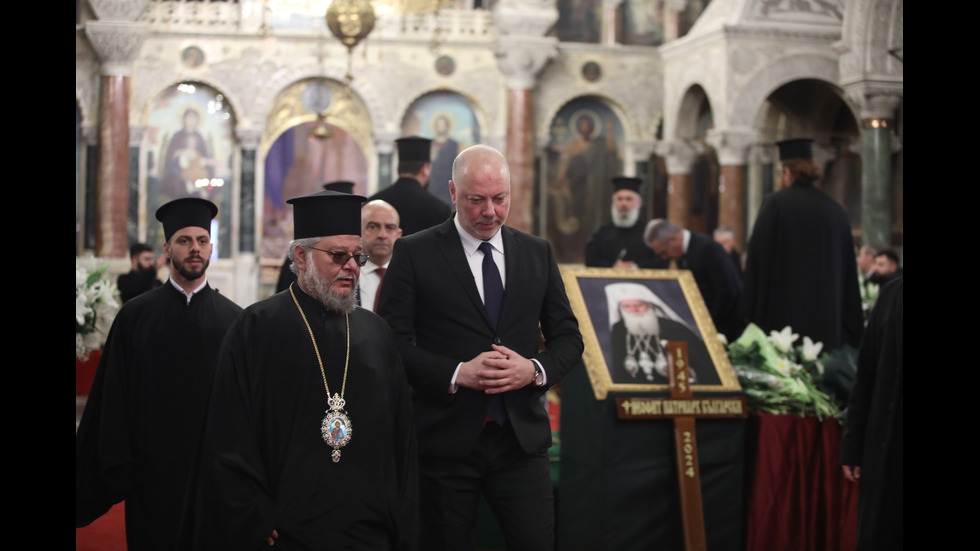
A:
(778, 376)
(95, 304)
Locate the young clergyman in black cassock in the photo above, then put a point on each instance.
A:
(139, 430)
(800, 270)
(281, 463)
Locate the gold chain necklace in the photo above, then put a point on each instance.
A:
(336, 427)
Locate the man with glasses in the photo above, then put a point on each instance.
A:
(140, 428)
(309, 441)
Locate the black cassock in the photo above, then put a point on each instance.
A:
(801, 270)
(610, 243)
(264, 463)
(138, 433)
(873, 436)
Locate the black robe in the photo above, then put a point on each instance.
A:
(610, 243)
(135, 283)
(417, 208)
(873, 435)
(264, 464)
(801, 269)
(138, 433)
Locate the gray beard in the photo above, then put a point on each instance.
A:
(317, 287)
(642, 324)
(627, 221)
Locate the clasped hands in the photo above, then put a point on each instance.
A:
(495, 371)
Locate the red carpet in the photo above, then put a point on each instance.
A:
(107, 533)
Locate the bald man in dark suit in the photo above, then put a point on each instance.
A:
(465, 300)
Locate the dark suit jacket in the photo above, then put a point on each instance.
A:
(719, 283)
(417, 208)
(431, 302)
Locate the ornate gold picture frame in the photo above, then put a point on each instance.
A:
(626, 315)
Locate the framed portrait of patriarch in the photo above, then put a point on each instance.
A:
(627, 316)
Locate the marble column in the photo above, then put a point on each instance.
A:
(248, 140)
(672, 19)
(876, 173)
(680, 156)
(522, 52)
(116, 37)
(384, 144)
(732, 148)
(609, 21)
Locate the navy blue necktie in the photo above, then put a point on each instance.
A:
(493, 297)
(493, 289)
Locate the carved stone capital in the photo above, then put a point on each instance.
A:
(642, 149)
(732, 146)
(118, 10)
(521, 59)
(875, 99)
(117, 44)
(525, 17)
(384, 142)
(249, 138)
(680, 155)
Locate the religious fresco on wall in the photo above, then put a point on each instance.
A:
(448, 120)
(642, 23)
(188, 150)
(584, 154)
(298, 164)
(579, 20)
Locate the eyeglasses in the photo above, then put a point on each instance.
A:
(341, 258)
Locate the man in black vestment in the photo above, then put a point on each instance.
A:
(619, 243)
(711, 266)
(467, 301)
(140, 427)
(273, 467)
(872, 447)
(800, 270)
(143, 273)
(417, 208)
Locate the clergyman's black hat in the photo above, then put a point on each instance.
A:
(184, 212)
(795, 148)
(326, 213)
(414, 148)
(626, 182)
(342, 186)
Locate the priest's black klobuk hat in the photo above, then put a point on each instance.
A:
(795, 148)
(326, 213)
(414, 148)
(625, 182)
(185, 212)
(342, 186)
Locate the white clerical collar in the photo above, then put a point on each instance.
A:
(687, 239)
(472, 244)
(185, 293)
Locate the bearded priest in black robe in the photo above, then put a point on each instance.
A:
(309, 441)
(619, 242)
(139, 431)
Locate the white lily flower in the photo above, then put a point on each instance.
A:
(783, 366)
(811, 350)
(783, 340)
